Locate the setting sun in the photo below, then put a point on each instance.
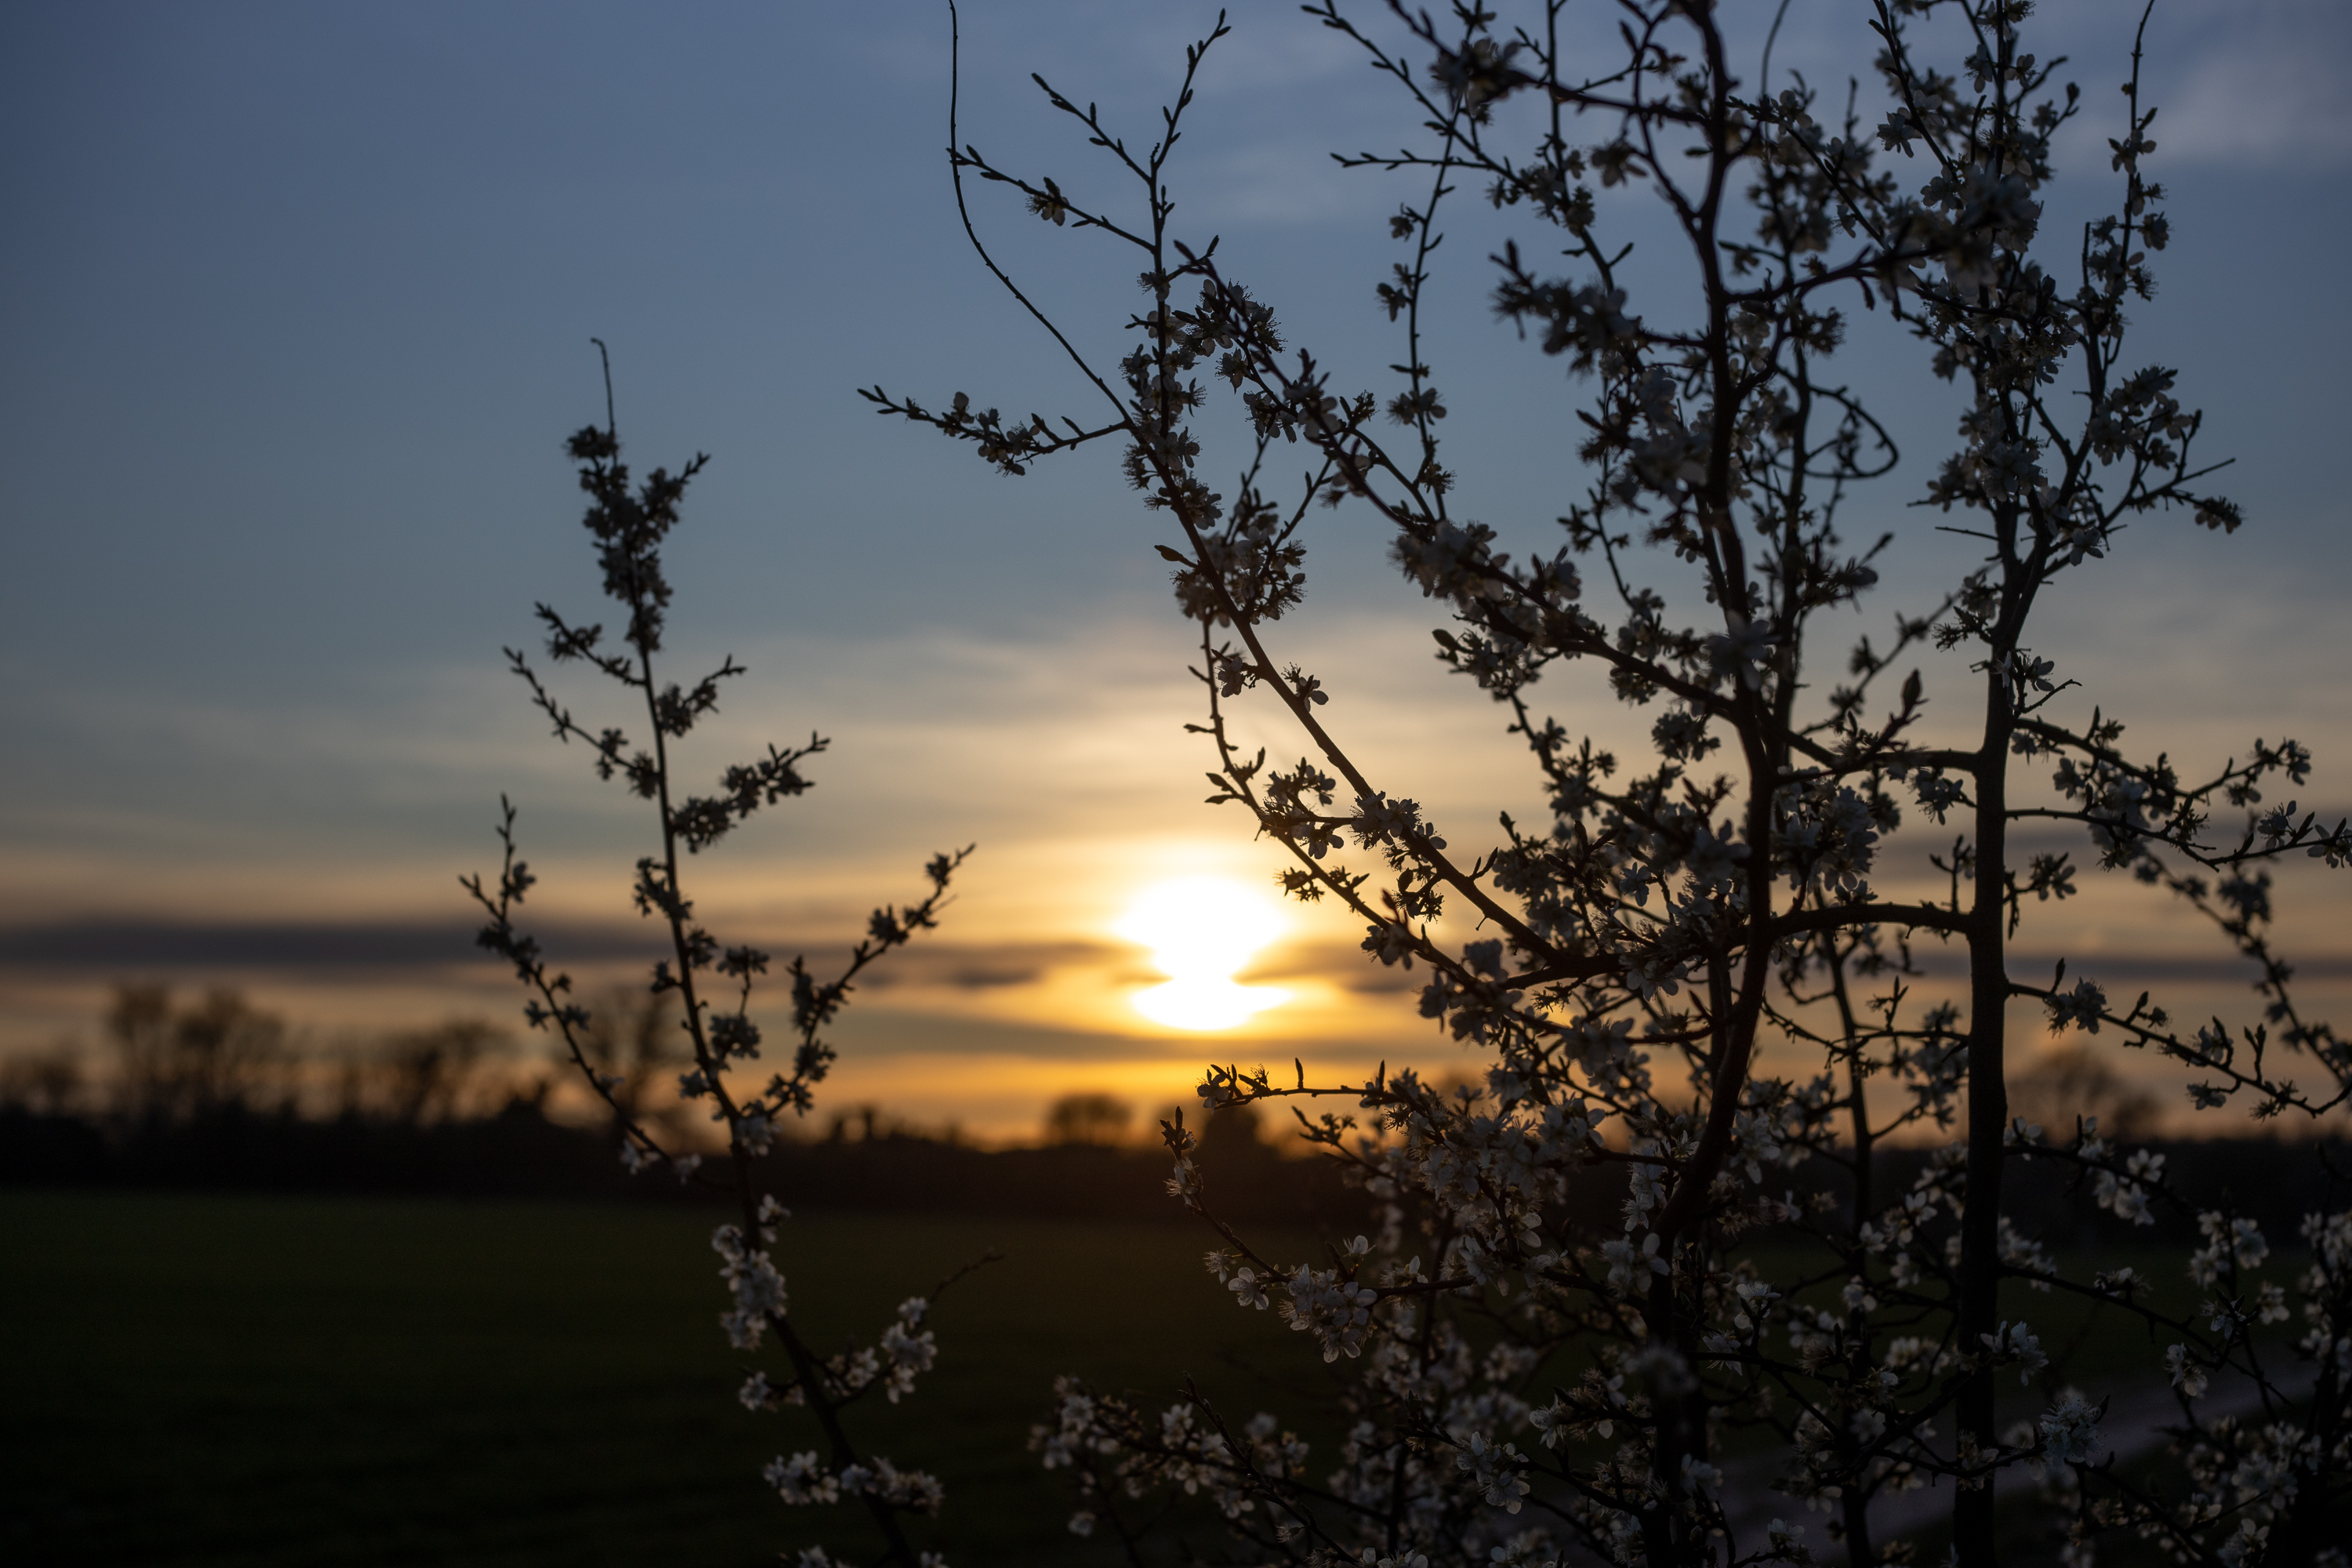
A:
(1200, 932)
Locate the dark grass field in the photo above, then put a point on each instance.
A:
(209, 1380)
(274, 1381)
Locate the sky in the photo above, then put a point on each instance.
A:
(296, 303)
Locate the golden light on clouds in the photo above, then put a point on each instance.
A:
(1202, 931)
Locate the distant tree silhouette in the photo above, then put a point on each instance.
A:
(430, 1072)
(175, 1065)
(632, 1038)
(1089, 1119)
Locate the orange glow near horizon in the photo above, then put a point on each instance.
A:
(1201, 930)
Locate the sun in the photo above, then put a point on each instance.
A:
(1200, 932)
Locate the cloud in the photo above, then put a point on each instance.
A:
(985, 966)
(2237, 84)
(1284, 183)
(118, 945)
(2259, 104)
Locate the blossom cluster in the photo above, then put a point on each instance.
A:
(1693, 985)
(712, 985)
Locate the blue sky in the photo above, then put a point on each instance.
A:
(296, 304)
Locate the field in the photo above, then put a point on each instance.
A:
(269, 1381)
(254, 1381)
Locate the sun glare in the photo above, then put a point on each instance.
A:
(1200, 932)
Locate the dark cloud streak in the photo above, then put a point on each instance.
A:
(121, 944)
